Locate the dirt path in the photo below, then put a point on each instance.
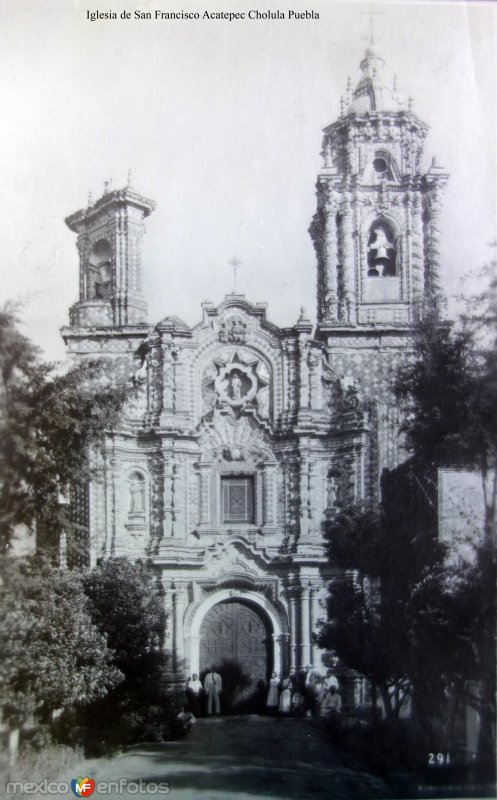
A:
(239, 758)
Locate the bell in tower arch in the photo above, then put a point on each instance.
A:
(382, 250)
(100, 271)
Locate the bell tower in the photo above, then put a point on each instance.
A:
(376, 228)
(110, 233)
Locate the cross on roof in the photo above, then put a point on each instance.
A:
(235, 263)
(373, 15)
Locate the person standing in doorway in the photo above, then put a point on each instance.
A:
(273, 694)
(213, 686)
(285, 703)
(193, 692)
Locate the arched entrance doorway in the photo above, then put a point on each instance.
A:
(235, 637)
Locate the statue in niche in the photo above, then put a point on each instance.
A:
(331, 305)
(136, 494)
(331, 491)
(236, 387)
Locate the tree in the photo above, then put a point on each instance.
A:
(448, 392)
(368, 610)
(448, 395)
(127, 607)
(50, 420)
(449, 615)
(53, 656)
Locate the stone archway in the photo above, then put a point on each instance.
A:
(240, 633)
(235, 639)
(237, 632)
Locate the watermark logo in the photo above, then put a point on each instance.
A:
(83, 787)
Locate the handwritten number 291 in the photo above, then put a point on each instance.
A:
(438, 759)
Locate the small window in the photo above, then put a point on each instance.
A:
(380, 165)
(238, 499)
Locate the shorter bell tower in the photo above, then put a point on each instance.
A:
(110, 233)
(375, 230)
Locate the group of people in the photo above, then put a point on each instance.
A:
(305, 694)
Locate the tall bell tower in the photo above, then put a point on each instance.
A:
(110, 233)
(375, 230)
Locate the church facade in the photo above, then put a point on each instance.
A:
(242, 439)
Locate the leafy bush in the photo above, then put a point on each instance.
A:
(53, 656)
(127, 608)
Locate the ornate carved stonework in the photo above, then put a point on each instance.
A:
(230, 439)
(241, 441)
(236, 381)
(233, 330)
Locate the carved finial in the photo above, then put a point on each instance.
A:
(410, 104)
(302, 317)
(106, 187)
(435, 166)
(342, 104)
(349, 85)
(90, 199)
(128, 185)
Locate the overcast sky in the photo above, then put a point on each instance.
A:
(220, 123)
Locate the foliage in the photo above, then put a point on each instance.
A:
(366, 625)
(405, 598)
(451, 618)
(54, 762)
(52, 654)
(49, 419)
(128, 608)
(436, 391)
(449, 395)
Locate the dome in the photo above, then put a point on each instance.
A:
(173, 322)
(372, 93)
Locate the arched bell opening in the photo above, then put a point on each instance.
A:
(382, 250)
(100, 271)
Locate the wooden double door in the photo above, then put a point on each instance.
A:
(236, 639)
